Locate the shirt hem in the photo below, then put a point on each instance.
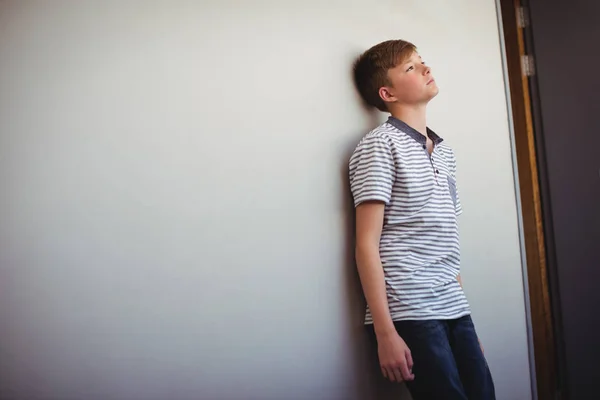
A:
(426, 317)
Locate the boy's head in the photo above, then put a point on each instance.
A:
(392, 73)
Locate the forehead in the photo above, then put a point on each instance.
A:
(410, 57)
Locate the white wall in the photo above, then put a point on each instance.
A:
(174, 214)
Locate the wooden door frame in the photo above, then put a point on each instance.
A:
(540, 308)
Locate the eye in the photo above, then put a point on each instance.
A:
(410, 68)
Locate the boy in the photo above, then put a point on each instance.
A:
(403, 180)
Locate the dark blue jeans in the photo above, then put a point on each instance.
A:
(448, 361)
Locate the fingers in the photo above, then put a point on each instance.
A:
(391, 374)
(398, 375)
(409, 366)
(385, 373)
(409, 360)
(395, 359)
(406, 373)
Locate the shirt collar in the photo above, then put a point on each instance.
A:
(413, 133)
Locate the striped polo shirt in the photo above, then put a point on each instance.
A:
(419, 246)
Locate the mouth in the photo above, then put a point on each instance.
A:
(431, 81)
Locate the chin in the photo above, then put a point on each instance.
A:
(433, 93)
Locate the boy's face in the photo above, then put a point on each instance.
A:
(411, 83)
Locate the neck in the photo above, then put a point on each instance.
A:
(414, 116)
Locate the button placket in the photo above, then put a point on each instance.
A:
(436, 171)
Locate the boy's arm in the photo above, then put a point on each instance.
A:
(394, 356)
(369, 223)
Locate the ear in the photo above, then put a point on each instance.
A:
(386, 95)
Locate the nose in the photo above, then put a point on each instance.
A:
(426, 70)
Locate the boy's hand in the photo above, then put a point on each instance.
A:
(394, 357)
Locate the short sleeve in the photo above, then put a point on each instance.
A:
(372, 170)
(458, 206)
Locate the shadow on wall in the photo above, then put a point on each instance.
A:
(371, 385)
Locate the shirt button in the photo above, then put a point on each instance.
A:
(424, 147)
(437, 172)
